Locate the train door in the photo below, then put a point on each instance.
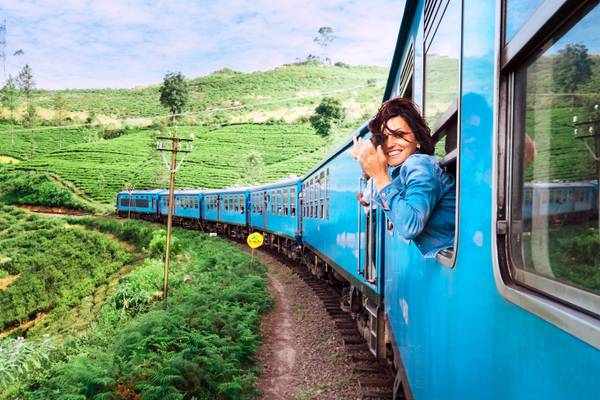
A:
(367, 232)
(371, 235)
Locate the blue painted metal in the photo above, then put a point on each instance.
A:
(340, 238)
(187, 204)
(138, 201)
(457, 336)
(231, 206)
(266, 213)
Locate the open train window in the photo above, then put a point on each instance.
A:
(550, 121)
(442, 41)
(293, 202)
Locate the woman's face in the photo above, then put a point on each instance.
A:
(397, 149)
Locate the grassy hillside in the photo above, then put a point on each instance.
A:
(101, 169)
(107, 154)
(201, 347)
(275, 90)
(60, 263)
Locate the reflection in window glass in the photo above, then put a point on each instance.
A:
(441, 65)
(517, 13)
(557, 118)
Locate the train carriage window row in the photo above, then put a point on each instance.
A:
(552, 205)
(316, 200)
(134, 202)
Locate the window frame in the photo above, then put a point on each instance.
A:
(558, 303)
(446, 257)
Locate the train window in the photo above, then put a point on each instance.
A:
(517, 13)
(242, 203)
(442, 61)
(280, 202)
(322, 195)
(554, 245)
(286, 202)
(293, 202)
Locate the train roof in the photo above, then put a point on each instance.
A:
(228, 190)
(184, 191)
(273, 185)
(143, 191)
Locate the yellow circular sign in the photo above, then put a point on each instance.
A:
(255, 240)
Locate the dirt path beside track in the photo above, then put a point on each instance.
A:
(302, 356)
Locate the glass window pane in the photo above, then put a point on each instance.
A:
(441, 65)
(557, 123)
(517, 13)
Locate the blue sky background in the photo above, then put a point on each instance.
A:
(111, 43)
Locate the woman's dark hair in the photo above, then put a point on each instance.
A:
(407, 109)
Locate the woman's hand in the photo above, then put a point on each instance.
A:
(373, 161)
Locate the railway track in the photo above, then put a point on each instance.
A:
(376, 381)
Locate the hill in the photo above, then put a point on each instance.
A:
(233, 116)
(103, 168)
(286, 92)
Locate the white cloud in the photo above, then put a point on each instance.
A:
(89, 43)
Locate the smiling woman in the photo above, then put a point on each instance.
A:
(416, 194)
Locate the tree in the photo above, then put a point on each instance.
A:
(25, 81)
(254, 167)
(174, 93)
(10, 96)
(328, 113)
(324, 39)
(571, 67)
(59, 104)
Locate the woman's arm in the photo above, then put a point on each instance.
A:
(409, 205)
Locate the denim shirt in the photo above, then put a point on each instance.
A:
(421, 202)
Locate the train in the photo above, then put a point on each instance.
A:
(494, 317)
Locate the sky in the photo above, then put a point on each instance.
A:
(129, 43)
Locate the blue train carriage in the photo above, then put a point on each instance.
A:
(559, 202)
(274, 211)
(139, 203)
(504, 315)
(187, 205)
(341, 237)
(225, 211)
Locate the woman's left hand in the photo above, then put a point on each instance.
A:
(372, 160)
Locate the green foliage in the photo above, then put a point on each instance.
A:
(138, 233)
(59, 107)
(571, 67)
(585, 247)
(21, 187)
(254, 166)
(30, 117)
(201, 346)
(60, 263)
(25, 81)
(136, 293)
(19, 358)
(9, 96)
(158, 244)
(174, 92)
(327, 114)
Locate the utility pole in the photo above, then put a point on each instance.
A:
(176, 147)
